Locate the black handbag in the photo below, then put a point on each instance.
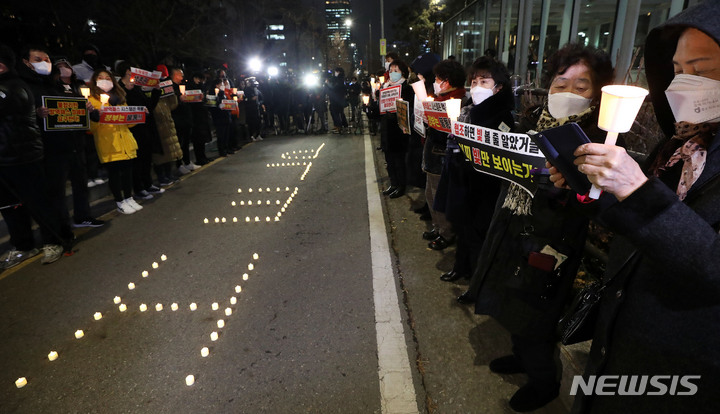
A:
(578, 323)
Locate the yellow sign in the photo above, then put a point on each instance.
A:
(383, 47)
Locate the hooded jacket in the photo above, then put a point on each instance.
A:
(20, 141)
(660, 313)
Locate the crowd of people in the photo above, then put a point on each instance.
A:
(660, 308)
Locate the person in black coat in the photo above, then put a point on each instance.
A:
(22, 173)
(393, 141)
(534, 244)
(337, 94)
(659, 316)
(470, 195)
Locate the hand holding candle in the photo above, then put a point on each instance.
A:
(104, 99)
(619, 106)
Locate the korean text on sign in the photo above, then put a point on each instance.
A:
(437, 116)
(388, 96)
(145, 78)
(122, 115)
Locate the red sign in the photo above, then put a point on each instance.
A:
(228, 105)
(388, 96)
(122, 115)
(144, 78)
(437, 116)
(193, 96)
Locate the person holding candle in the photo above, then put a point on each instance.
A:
(660, 313)
(449, 84)
(182, 117)
(168, 152)
(470, 195)
(533, 246)
(115, 144)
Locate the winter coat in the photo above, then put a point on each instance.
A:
(392, 138)
(435, 141)
(113, 142)
(20, 141)
(660, 315)
(171, 150)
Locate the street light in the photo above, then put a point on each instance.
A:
(273, 71)
(348, 22)
(255, 64)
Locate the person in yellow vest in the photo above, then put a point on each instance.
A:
(115, 144)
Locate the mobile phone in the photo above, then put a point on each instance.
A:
(558, 145)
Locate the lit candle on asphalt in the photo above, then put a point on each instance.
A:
(52, 356)
(220, 323)
(238, 289)
(234, 219)
(131, 286)
(245, 276)
(233, 204)
(174, 307)
(193, 306)
(122, 307)
(159, 307)
(215, 306)
(143, 307)
(145, 273)
(155, 265)
(190, 379)
(213, 336)
(228, 311)
(204, 351)
(251, 266)
(233, 300)
(97, 316)
(21, 382)
(163, 257)
(255, 256)
(206, 221)
(117, 299)
(79, 334)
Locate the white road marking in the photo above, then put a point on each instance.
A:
(397, 391)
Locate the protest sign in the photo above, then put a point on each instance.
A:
(192, 96)
(437, 117)
(145, 78)
(502, 154)
(166, 87)
(388, 96)
(403, 115)
(418, 124)
(120, 115)
(228, 105)
(65, 114)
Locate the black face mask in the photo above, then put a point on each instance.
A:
(91, 59)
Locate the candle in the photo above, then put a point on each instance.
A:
(174, 307)
(282, 209)
(155, 265)
(245, 276)
(279, 214)
(206, 221)
(268, 189)
(233, 300)
(287, 188)
(79, 334)
(238, 289)
(239, 190)
(143, 307)
(242, 203)
(193, 306)
(163, 257)
(234, 219)
(217, 90)
(131, 286)
(213, 336)
(97, 316)
(122, 307)
(215, 306)
(249, 202)
(249, 190)
(257, 218)
(255, 256)
(277, 218)
(217, 219)
(228, 311)
(117, 300)
(159, 307)
(277, 202)
(366, 99)
(260, 190)
(259, 202)
(267, 218)
(223, 220)
(21, 382)
(267, 202)
(235, 98)
(277, 189)
(233, 204)
(145, 273)
(182, 89)
(251, 266)
(220, 323)
(104, 99)
(204, 352)
(247, 219)
(52, 356)
(190, 380)
(85, 92)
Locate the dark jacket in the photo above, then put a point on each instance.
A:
(145, 134)
(436, 141)
(182, 114)
(661, 313)
(20, 141)
(526, 299)
(392, 138)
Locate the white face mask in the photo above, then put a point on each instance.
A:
(694, 99)
(564, 104)
(479, 94)
(65, 72)
(42, 68)
(436, 88)
(104, 84)
(387, 66)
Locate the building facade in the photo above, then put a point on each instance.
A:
(524, 33)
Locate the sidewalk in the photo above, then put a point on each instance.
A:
(453, 345)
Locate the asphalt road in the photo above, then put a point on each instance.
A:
(301, 336)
